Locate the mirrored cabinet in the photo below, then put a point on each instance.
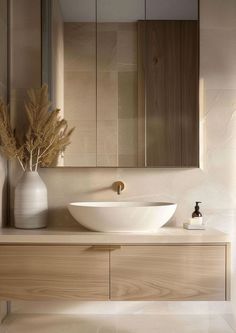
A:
(125, 74)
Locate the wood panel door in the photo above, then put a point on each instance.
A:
(163, 91)
(168, 273)
(53, 273)
(190, 93)
(170, 75)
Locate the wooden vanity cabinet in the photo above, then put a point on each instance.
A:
(126, 272)
(53, 273)
(168, 273)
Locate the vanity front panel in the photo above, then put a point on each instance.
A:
(115, 272)
(53, 273)
(168, 272)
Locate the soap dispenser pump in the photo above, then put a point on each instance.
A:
(196, 222)
(197, 212)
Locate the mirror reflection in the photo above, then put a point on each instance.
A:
(115, 70)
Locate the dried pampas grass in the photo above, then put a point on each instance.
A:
(46, 136)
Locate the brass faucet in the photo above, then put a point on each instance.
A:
(118, 186)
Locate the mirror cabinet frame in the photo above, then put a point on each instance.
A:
(178, 145)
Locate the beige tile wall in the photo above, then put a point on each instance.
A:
(25, 65)
(114, 140)
(214, 184)
(80, 92)
(117, 94)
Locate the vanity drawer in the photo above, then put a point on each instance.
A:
(188, 272)
(144, 272)
(53, 272)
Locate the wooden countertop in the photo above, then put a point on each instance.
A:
(165, 235)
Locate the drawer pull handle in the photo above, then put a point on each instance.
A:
(105, 247)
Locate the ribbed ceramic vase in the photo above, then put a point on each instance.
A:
(31, 202)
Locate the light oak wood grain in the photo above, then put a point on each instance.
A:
(168, 273)
(102, 272)
(53, 272)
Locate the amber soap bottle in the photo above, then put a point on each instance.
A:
(197, 212)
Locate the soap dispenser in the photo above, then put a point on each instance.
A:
(197, 215)
(197, 212)
(195, 222)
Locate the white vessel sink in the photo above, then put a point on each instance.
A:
(122, 216)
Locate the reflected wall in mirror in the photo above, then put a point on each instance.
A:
(125, 74)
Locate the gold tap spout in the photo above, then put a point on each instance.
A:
(118, 187)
